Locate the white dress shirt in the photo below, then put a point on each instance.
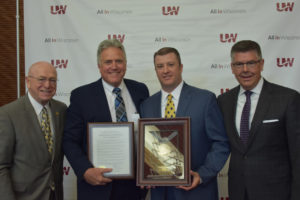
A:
(110, 96)
(242, 100)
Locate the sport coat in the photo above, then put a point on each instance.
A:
(268, 167)
(88, 103)
(209, 143)
(26, 167)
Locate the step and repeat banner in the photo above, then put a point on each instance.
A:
(68, 32)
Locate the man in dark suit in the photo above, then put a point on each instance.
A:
(31, 159)
(264, 131)
(95, 103)
(209, 144)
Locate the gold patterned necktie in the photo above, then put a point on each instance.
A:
(170, 108)
(45, 125)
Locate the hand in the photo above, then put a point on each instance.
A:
(195, 182)
(94, 176)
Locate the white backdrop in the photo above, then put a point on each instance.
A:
(67, 33)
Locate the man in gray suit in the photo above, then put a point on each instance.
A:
(209, 143)
(31, 129)
(262, 120)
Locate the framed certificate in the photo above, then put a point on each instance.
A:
(111, 145)
(164, 152)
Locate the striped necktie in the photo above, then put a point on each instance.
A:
(119, 106)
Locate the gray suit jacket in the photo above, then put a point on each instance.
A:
(26, 167)
(268, 167)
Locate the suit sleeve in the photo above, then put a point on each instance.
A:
(293, 134)
(74, 138)
(219, 151)
(7, 140)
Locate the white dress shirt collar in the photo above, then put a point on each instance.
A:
(257, 89)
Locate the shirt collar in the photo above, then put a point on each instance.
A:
(256, 90)
(175, 93)
(110, 88)
(36, 105)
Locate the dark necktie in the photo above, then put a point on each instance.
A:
(45, 124)
(119, 106)
(244, 127)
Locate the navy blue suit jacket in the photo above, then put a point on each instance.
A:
(88, 103)
(209, 143)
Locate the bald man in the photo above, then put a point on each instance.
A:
(31, 129)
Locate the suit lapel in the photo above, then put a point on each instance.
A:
(56, 121)
(231, 112)
(184, 100)
(261, 109)
(101, 107)
(35, 126)
(157, 105)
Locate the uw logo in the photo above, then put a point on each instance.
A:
(224, 90)
(285, 62)
(170, 10)
(228, 37)
(59, 63)
(287, 7)
(58, 9)
(66, 171)
(118, 37)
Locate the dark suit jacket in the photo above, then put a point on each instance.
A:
(268, 168)
(209, 143)
(26, 167)
(89, 104)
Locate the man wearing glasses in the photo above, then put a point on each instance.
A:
(262, 121)
(31, 128)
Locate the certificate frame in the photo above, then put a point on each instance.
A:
(109, 141)
(164, 152)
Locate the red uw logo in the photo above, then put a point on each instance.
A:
(66, 171)
(170, 10)
(286, 7)
(222, 90)
(59, 63)
(285, 62)
(58, 9)
(118, 37)
(228, 37)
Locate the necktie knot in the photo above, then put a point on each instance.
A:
(248, 93)
(170, 97)
(117, 91)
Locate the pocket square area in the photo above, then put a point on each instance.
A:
(270, 120)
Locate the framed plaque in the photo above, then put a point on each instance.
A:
(164, 152)
(111, 145)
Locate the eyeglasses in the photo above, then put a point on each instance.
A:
(43, 80)
(250, 64)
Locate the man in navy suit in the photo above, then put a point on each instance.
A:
(209, 144)
(265, 159)
(95, 103)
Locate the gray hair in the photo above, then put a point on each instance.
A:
(245, 46)
(109, 43)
